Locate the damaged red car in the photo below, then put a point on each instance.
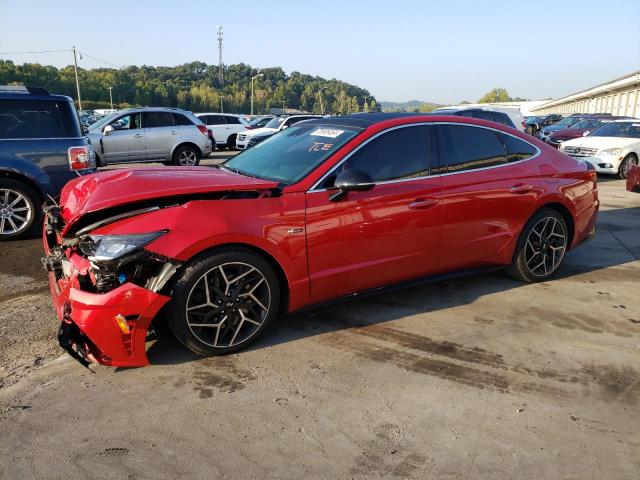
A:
(326, 209)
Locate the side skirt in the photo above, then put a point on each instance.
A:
(399, 286)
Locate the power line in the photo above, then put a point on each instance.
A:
(99, 60)
(40, 51)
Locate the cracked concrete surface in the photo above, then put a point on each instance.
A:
(477, 377)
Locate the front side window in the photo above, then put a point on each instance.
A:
(291, 154)
(157, 119)
(37, 119)
(127, 122)
(395, 155)
(469, 148)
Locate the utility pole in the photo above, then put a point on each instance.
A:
(321, 105)
(220, 69)
(221, 109)
(252, 79)
(111, 97)
(75, 62)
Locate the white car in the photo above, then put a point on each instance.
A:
(250, 137)
(611, 148)
(225, 127)
(514, 113)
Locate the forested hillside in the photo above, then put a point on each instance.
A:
(193, 86)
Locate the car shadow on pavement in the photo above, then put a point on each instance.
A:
(616, 244)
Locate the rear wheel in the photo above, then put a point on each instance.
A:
(20, 211)
(541, 247)
(223, 302)
(626, 164)
(231, 142)
(186, 156)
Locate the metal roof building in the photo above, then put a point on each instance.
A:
(617, 97)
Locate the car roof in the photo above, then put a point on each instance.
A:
(4, 95)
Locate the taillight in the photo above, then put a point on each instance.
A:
(248, 127)
(80, 158)
(203, 129)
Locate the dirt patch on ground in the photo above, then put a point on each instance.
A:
(28, 323)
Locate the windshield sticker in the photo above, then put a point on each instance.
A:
(326, 132)
(320, 147)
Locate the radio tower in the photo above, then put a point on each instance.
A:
(220, 70)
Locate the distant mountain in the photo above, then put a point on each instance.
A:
(410, 106)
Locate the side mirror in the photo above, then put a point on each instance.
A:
(106, 131)
(351, 180)
(587, 132)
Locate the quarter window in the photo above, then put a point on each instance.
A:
(179, 119)
(37, 119)
(157, 119)
(469, 148)
(517, 149)
(395, 155)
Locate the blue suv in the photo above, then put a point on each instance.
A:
(42, 147)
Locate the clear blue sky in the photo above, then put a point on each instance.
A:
(441, 51)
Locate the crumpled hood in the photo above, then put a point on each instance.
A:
(118, 187)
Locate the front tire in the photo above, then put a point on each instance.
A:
(223, 302)
(186, 156)
(626, 164)
(20, 212)
(541, 247)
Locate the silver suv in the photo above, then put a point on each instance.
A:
(150, 134)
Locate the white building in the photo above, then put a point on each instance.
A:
(617, 97)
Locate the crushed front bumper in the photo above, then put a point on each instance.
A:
(108, 328)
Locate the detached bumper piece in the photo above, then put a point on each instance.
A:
(109, 328)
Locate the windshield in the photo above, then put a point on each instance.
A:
(617, 129)
(290, 155)
(534, 119)
(275, 122)
(567, 122)
(103, 121)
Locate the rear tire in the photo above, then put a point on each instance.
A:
(541, 247)
(20, 210)
(231, 142)
(625, 166)
(186, 156)
(223, 302)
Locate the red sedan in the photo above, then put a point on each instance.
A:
(326, 209)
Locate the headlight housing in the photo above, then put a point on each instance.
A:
(104, 248)
(611, 151)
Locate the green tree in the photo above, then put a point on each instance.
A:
(495, 95)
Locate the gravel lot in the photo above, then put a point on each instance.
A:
(479, 377)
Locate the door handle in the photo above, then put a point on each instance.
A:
(422, 203)
(521, 188)
(173, 132)
(137, 135)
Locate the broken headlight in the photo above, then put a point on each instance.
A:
(103, 248)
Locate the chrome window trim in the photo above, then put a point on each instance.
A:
(45, 138)
(384, 182)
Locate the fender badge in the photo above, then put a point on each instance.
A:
(295, 230)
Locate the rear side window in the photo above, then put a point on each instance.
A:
(480, 114)
(38, 119)
(233, 120)
(215, 120)
(502, 118)
(517, 149)
(179, 119)
(469, 148)
(157, 119)
(395, 155)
